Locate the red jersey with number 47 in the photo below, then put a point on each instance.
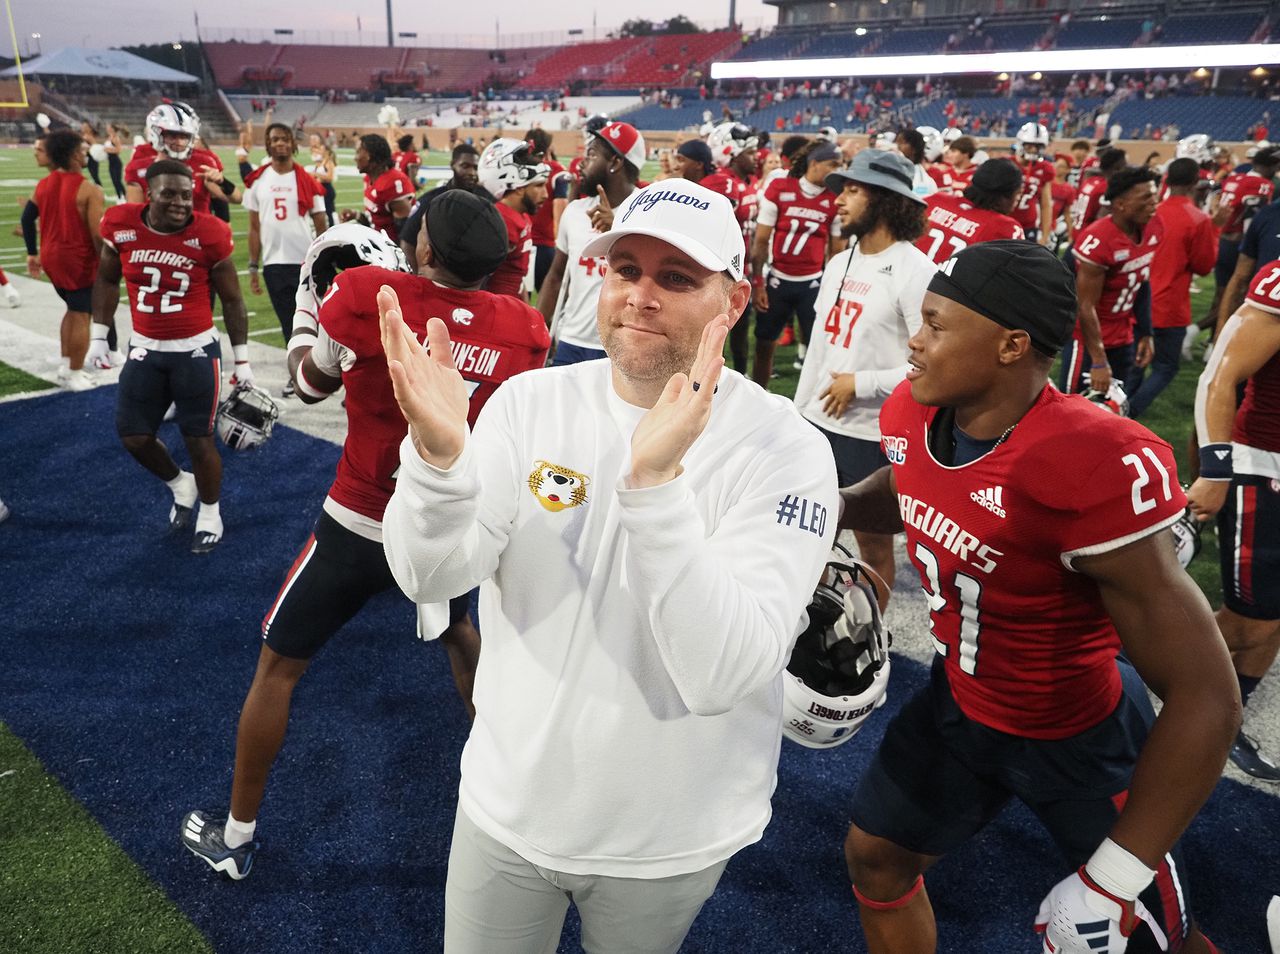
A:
(1036, 173)
(1128, 265)
(380, 193)
(801, 226)
(167, 273)
(493, 337)
(952, 224)
(1257, 421)
(1026, 640)
(1243, 193)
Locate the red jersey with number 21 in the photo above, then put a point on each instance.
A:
(167, 273)
(1026, 640)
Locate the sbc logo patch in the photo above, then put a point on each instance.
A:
(895, 448)
(558, 488)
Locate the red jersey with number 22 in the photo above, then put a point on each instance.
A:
(803, 227)
(953, 224)
(1026, 640)
(167, 273)
(1128, 265)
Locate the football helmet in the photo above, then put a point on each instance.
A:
(1198, 147)
(1032, 134)
(1113, 399)
(885, 140)
(246, 417)
(1186, 535)
(730, 140)
(348, 245)
(951, 134)
(172, 117)
(829, 133)
(593, 125)
(506, 164)
(933, 143)
(839, 670)
(1256, 147)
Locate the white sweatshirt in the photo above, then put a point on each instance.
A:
(867, 308)
(628, 699)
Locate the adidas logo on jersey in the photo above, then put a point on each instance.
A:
(193, 242)
(992, 498)
(887, 270)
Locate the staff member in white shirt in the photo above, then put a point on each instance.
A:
(868, 306)
(645, 531)
(286, 211)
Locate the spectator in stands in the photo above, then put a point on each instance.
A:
(463, 163)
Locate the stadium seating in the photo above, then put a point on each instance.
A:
(1210, 28)
(1222, 117)
(679, 60)
(1104, 32)
(582, 61)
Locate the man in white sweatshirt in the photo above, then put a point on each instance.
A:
(646, 530)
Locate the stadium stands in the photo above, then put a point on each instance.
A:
(679, 60)
(1210, 28)
(1103, 32)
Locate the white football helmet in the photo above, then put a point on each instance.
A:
(172, 117)
(246, 417)
(839, 670)
(829, 133)
(1253, 150)
(1032, 134)
(1186, 535)
(730, 140)
(1113, 399)
(505, 165)
(1198, 147)
(951, 134)
(885, 140)
(348, 245)
(934, 144)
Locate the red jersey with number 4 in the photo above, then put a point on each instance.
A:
(1243, 193)
(136, 171)
(1257, 421)
(380, 193)
(493, 338)
(1026, 640)
(802, 228)
(507, 277)
(1036, 173)
(167, 273)
(953, 223)
(1128, 265)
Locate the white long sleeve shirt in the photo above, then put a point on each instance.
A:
(867, 308)
(628, 699)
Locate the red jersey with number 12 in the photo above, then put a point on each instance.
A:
(1026, 640)
(167, 273)
(1036, 173)
(1128, 265)
(803, 227)
(953, 223)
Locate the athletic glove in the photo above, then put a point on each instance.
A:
(1079, 917)
(97, 357)
(243, 374)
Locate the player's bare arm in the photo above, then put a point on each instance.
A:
(227, 284)
(550, 293)
(106, 290)
(134, 193)
(400, 209)
(759, 258)
(255, 251)
(319, 222)
(1089, 283)
(1168, 632)
(90, 204)
(1233, 297)
(871, 505)
(1046, 215)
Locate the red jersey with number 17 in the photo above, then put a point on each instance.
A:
(1026, 640)
(167, 273)
(493, 337)
(801, 226)
(1128, 265)
(953, 223)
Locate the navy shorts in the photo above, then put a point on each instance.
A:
(152, 380)
(787, 298)
(334, 575)
(856, 459)
(76, 299)
(939, 777)
(1249, 547)
(1225, 266)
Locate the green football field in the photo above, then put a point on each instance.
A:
(65, 886)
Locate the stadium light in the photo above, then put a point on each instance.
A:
(1048, 61)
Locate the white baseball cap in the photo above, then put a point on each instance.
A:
(697, 221)
(626, 141)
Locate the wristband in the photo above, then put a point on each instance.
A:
(1116, 871)
(241, 353)
(227, 186)
(98, 332)
(1099, 367)
(253, 266)
(1215, 462)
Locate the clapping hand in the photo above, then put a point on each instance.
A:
(432, 395)
(665, 434)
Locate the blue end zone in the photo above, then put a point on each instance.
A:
(126, 659)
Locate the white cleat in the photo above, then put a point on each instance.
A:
(11, 296)
(1273, 924)
(76, 381)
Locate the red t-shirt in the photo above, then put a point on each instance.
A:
(1257, 421)
(167, 273)
(136, 171)
(1128, 265)
(66, 245)
(544, 219)
(953, 223)
(1088, 202)
(803, 227)
(1243, 193)
(1027, 643)
(493, 337)
(506, 278)
(1186, 242)
(378, 196)
(1036, 173)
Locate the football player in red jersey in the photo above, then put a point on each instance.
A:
(341, 566)
(519, 187)
(1063, 194)
(1242, 194)
(795, 211)
(1090, 200)
(1239, 482)
(1080, 161)
(733, 151)
(405, 158)
(172, 131)
(1037, 577)
(388, 193)
(982, 215)
(1035, 206)
(1113, 261)
(169, 256)
(959, 158)
(547, 219)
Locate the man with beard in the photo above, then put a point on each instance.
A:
(868, 305)
(519, 187)
(463, 162)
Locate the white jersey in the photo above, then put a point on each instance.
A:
(286, 233)
(629, 702)
(867, 308)
(575, 323)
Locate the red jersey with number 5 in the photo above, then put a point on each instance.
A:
(801, 226)
(493, 337)
(1257, 421)
(953, 223)
(380, 193)
(1128, 265)
(1026, 640)
(167, 273)
(1036, 173)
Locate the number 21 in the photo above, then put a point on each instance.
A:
(1140, 503)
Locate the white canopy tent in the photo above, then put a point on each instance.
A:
(111, 64)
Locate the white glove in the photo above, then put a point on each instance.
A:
(96, 357)
(1078, 916)
(305, 306)
(243, 375)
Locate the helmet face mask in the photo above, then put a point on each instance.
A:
(348, 245)
(246, 417)
(730, 140)
(172, 118)
(934, 144)
(1113, 399)
(507, 164)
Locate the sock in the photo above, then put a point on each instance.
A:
(238, 833)
(65, 366)
(1247, 685)
(209, 520)
(184, 488)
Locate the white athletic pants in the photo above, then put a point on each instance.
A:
(498, 903)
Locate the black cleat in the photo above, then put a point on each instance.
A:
(202, 836)
(205, 541)
(1247, 758)
(180, 517)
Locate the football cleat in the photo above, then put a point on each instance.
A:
(205, 541)
(11, 296)
(202, 836)
(76, 381)
(180, 516)
(1246, 757)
